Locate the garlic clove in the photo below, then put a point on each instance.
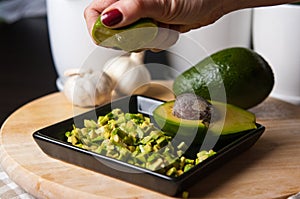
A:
(116, 67)
(134, 81)
(88, 89)
(104, 88)
(128, 73)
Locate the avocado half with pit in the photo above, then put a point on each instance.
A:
(227, 119)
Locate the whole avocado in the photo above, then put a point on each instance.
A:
(245, 76)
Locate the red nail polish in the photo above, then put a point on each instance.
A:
(112, 17)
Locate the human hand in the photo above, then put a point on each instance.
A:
(176, 15)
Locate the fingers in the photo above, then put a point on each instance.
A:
(164, 11)
(119, 13)
(132, 10)
(94, 10)
(181, 15)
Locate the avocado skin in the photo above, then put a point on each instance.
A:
(245, 76)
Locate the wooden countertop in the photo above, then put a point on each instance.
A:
(269, 169)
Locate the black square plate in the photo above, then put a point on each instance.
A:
(53, 142)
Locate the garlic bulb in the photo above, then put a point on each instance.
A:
(128, 73)
(86, 89)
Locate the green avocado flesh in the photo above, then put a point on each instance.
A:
(228, 119)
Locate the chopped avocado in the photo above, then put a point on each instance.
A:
(132, 138)
(227, 119)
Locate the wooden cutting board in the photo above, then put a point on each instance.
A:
(270, 169)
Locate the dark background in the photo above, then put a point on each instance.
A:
(27, 69)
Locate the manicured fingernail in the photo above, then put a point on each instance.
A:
(112, 17)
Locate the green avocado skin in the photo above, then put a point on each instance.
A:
(237, 76)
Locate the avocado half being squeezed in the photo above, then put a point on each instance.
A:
(134, 37)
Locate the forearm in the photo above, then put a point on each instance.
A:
(232, 5)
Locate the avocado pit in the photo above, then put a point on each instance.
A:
(192, 107)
